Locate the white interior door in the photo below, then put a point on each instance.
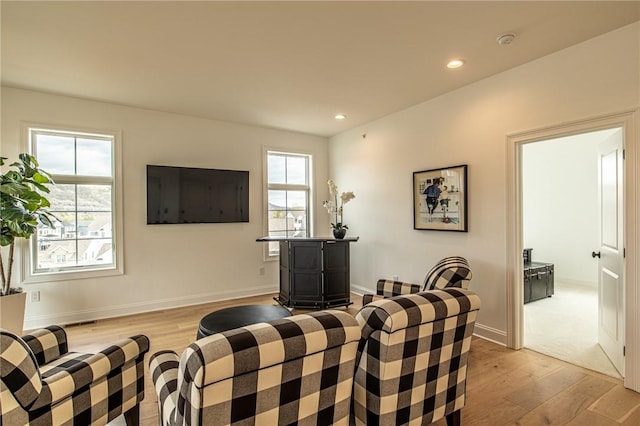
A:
(610, 254)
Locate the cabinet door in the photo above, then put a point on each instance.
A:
(336, 271)
(306, 271)
(285, 282)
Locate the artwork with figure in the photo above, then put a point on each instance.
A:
(440, 199)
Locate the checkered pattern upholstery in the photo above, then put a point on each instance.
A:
(451, 271)
(44, 384)
(412, 359)
(390, 288)
(296, 370)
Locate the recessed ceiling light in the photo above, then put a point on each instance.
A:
(340, 117)
(456, 63)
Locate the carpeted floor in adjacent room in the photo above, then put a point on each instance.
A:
(564, 326)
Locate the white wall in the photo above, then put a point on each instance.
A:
(469, 126)
(174, 265)
(560, 204)
(165, 265)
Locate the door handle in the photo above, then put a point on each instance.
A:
(594, 254)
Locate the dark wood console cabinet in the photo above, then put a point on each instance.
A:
(538, 281)
(314, 272)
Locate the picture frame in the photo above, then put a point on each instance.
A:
(433, 212)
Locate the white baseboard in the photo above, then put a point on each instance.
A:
(491, 334)
(39, 321)
(576, 282)
(359, 290)
(34, 322)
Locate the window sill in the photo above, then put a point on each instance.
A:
(72, 275)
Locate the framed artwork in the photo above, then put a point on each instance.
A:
(440, 199)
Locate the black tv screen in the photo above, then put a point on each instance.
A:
(191, 195)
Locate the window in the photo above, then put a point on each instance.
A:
(85, 200)
(288, 196)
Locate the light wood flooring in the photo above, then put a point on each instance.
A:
(504, 387)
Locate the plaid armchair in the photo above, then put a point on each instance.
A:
(412, 360)
(452, 271)
(296, 370)
(44, 384)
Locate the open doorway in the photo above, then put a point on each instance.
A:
(625, 243)
(561, 228)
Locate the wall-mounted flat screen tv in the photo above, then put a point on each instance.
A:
(191, 195)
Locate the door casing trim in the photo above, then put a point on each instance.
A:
(515, 313)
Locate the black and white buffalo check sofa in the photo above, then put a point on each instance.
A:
(292, 371)
(42, 383)
(452, 271)
(412, 359)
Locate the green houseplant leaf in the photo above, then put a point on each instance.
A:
(22, 208)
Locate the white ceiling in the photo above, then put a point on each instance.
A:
(288, 65)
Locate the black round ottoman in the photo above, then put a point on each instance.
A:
(239, 316)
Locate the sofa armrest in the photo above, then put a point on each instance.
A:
(19, 369)
(368, 298)
(390, 315)
(391, 288)
(47, 344)
(164, 368)
(81, 373)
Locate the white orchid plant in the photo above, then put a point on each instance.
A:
(336, 209)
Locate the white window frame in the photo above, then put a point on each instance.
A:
(29, 250)
(309, 188)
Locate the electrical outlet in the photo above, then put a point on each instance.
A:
(395, 278)
(35, 296)
(262, 270)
